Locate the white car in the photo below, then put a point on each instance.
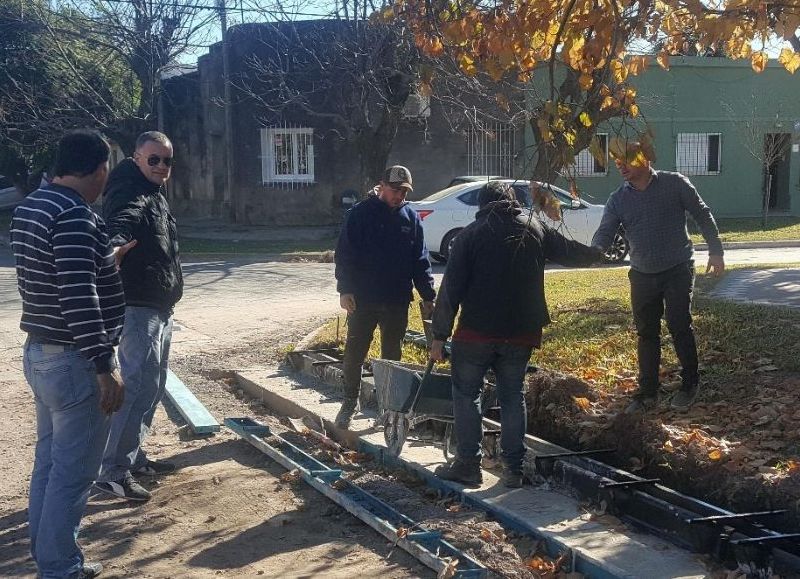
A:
(448, 211)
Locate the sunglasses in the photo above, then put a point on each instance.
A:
(154, 160)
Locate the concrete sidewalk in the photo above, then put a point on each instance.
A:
(605, 544)
(774, 287)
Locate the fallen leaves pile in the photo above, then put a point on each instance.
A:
(738, 447)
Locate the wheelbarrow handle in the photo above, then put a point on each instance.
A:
(428, 370)
(422, 379)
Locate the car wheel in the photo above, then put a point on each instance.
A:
(619, 248)
(447, 243)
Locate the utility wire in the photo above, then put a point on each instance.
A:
(177, 4)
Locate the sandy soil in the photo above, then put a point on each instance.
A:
(225, 512)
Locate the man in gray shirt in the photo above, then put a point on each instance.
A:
(651, 206)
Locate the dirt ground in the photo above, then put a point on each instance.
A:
(225, 512)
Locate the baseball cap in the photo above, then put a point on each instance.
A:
(398, 176)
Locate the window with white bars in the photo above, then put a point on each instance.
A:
(287, 155)
(698, 153)
(585, 163)
(490, 149)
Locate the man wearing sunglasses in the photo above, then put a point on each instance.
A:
(145, 239)
(380, 257)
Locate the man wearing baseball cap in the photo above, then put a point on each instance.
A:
(380, 257)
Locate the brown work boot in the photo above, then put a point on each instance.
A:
(346, 413)
(512, 479)
(467, 473)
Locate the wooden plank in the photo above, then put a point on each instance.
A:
(197, 417)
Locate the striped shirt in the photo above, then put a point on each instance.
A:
(71, 291)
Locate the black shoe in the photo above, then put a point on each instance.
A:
(90, 570)
(685, 396)
(467, 473)
(155, 468)
(512, 480)
(127, 488)
(346, 413)
(642, 403)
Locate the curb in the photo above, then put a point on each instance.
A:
(512, 508)
(782, 244)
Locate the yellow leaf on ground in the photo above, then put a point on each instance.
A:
(540, 565)
(449, 570)
(582, 403)
(714, 454)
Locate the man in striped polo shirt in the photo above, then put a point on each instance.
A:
(72, 310)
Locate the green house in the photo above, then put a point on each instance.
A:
(721, 124)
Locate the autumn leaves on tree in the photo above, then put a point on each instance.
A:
(573, 59)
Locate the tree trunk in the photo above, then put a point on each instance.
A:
(767, 192)
(374, 148)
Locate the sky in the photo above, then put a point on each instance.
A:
(240, 11)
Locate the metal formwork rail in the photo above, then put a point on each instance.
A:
(427, 546)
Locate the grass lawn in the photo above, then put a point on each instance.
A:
(592, 335)
(749, 229)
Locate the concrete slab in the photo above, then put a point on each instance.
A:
(617, 549)
(775, 287)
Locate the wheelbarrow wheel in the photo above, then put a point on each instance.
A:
(450, 443)
(395, 433)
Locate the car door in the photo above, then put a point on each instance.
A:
(466, 206)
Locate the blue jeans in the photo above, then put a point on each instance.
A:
(143, 361)
(470, 362)
(71, 432)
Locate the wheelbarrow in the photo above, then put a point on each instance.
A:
(409, 394)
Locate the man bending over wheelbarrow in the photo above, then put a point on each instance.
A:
(495, 274)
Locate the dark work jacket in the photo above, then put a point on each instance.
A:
(495, 273)
(381, 253)
(135, 208)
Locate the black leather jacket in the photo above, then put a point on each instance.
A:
(135, 208)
